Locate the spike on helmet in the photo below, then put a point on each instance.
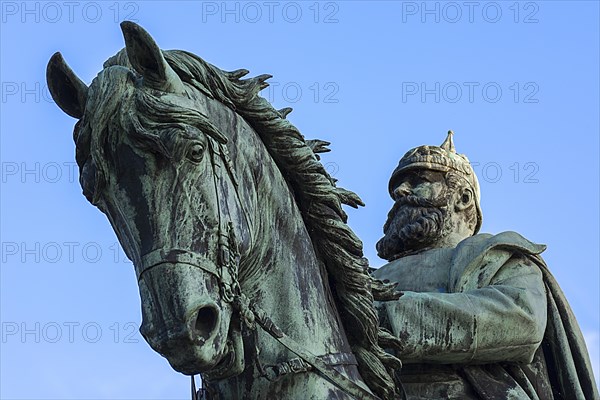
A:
(444, 159)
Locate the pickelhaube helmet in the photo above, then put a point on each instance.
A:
(444, 159)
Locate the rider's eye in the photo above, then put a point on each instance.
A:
(195, 152)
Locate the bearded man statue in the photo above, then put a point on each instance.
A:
(481, 316)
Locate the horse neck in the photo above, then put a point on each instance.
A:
(282, 272)
(293, 285)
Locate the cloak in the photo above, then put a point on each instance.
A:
(563, 348)
(486, 320)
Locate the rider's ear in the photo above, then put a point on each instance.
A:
(463, 198)
(148, 60)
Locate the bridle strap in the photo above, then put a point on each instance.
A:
(326, 371)
(298, 365)
(176, 256)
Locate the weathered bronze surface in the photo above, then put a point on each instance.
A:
(249, 275)
(247, 270)
(481, 316)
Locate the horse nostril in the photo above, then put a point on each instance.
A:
(206, 321)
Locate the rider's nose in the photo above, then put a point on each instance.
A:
(203, 323)
(402, 190)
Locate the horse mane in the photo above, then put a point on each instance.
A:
(320, 202)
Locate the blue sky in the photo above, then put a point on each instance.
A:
(516, 81)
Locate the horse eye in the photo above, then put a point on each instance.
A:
(195, 152)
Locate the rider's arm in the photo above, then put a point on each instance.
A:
(501, 322)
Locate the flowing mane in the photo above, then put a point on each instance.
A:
(318, 198)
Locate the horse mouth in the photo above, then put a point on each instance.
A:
(195, 369)
(226, 363)
(192, 366)
(224, 368)
(232, 363)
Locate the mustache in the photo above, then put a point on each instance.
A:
(413, 200)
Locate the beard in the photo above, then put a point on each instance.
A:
(413, 224)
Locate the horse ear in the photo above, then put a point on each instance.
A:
(147, 59)
(67, 90)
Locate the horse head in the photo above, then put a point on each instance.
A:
(149, 159)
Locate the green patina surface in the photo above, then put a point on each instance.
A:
(242, 251)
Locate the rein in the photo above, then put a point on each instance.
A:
(226, 272)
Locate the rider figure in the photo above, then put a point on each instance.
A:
(481, 316)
